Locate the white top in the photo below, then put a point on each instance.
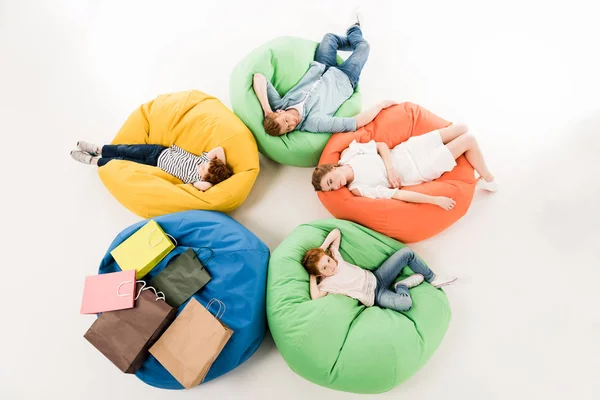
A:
(351, 281)
(298, 107)
(370, 175)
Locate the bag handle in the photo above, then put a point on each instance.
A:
(220, 311)
(212, 254)
(119, 288)
(149, 287)
(161, 238)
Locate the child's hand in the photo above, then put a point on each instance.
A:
(445, 202)
(394, 178)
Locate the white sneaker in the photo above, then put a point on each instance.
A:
(485, 185)
(441, 280)
(357, 18)
(411, 281)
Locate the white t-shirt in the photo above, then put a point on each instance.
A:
(351, 281)
(370, 175)
(298, 107)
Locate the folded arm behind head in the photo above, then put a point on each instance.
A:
(259, 84)
(333, 240)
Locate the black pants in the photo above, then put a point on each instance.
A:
(139, 153)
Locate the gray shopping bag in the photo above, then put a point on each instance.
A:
(182, 277)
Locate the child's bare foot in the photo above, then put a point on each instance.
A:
(90, 148)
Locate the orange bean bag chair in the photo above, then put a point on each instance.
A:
(406, 222)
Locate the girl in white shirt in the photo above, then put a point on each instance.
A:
(373, 170)
(369, 287)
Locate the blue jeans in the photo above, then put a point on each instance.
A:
(398, 300)
(139, 153)
(327, 52)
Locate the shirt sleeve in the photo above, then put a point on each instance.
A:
(336, 254)
(378, 192)
(275, 100)
(355, 149)
(325, 123)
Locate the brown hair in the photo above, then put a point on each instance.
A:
(319, 173)
(312, 258)
(217, 172)
(271, 126)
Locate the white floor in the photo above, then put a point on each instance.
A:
(525, 75)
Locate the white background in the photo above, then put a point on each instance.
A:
(524, 75)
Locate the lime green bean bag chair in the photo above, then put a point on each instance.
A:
(337, 342)
(283, 61)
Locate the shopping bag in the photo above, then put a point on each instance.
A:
(108, 292)
(183, 276)
(143, 250)
(192, 343)
(124, 336)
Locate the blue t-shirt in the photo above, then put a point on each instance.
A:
(323, 90)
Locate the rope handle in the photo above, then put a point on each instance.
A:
(119, 289)
(161, 297)
(220, 311)
(212, 254)
(161, 238)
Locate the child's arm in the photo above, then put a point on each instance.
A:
(333, 240)
(217, 152)
(202, 186)
(369, 115)
(315, 292)
(259, 84)
(386, 156)
(413, 197)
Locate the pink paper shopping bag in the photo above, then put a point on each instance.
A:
(108, 292)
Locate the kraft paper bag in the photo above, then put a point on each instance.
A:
(124, 336)
(192, 343)
(183, 276)
(143, 250)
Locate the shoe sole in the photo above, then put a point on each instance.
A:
(446, 283)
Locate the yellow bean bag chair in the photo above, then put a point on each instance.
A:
(196, 122)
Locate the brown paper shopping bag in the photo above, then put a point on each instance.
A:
(124, 336)
(192, 343)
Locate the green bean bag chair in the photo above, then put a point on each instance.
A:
(337, 342)
(283, 61)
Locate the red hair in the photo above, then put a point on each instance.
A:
(311, 260)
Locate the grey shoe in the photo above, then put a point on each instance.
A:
(81, 156)
(90, 148)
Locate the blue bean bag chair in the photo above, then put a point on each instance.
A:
(238, 269)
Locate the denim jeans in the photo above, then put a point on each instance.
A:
(398, 300)
(327, 52)
(139, 153)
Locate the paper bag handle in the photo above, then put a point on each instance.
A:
(161, 239)
(119, 288)
(212, 254)
(149, 287)
(220, 311)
